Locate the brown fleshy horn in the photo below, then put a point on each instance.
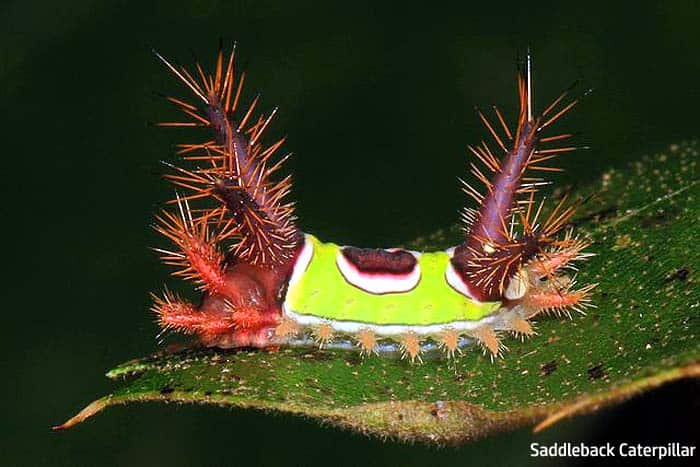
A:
(503, 233)
(235, 168)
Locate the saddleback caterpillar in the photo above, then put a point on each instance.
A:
(266, 283)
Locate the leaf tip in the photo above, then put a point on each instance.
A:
(91, 409)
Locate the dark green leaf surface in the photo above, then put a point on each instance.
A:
(644, 332)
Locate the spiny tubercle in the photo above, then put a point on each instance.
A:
(493, 250)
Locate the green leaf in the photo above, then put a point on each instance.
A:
(644, 332)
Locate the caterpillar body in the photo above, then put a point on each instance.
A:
(266, 283)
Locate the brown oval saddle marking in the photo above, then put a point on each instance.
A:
(378, 261)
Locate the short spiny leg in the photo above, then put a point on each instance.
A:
(489, 339)
(411, 346)
(174, 313)
(557, 300)
(367, 341)
(562, 255)
(516, 321)
(323, 334)
(448, 340)
(287, 328)
(551, 291)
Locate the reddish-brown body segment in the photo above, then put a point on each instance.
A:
(256, 294)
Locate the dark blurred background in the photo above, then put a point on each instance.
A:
(377, 101)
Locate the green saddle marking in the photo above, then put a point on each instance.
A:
(322, 291)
